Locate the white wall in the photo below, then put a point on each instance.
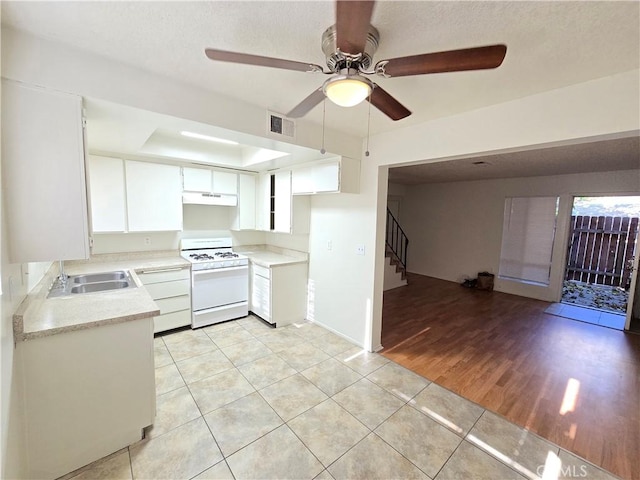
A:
(198, 221)
(455, 229)
(339, 279)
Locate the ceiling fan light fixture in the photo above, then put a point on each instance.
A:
(347, 90)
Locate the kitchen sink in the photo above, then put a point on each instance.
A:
(100, 277)
(92, 283)
(100, 286)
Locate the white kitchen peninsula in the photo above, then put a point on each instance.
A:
(278, 284)
(87, 368)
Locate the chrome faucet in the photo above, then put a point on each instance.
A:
(60, 282)
(62, 277)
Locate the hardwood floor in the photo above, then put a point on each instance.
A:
(504, 353)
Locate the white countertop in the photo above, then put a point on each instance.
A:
(271, 259)
(270, 256)
(39, 316)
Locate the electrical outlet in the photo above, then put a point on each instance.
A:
(359, 249)
(329, 245)
(147, 240)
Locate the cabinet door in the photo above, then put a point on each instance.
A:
(302, 180)
(154, 197)
(283, 202)
(326, 177)
(196, 179)
(107, 191)
(43, 174)
(261, 297)
(225, 183)
(263, 202)
(246, 211)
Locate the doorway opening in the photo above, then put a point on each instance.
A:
(601, 250)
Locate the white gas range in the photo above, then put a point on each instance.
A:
(219, 280)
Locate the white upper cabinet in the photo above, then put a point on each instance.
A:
(276, 209)
(327, 176)
(196, 180)
(154, 197)
(209, 181)
(43, 176)
(107, 193)
(282, 202)
(243, 217)
(225, 183)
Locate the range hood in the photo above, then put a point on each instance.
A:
(197, 198)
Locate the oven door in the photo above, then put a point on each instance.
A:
(218, 287)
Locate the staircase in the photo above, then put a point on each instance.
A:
(395, 274)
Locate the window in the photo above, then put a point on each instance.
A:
(527, 238)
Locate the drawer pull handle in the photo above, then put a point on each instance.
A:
(163, 270)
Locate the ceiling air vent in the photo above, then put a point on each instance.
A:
(279, 126)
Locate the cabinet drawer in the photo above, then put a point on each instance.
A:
(164, 275)
(169, 289)
(261, 271)
(173, 304)
(171, 320)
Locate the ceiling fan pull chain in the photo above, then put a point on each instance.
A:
(366, 153)
(324, 111)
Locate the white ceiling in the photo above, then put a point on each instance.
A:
(601, 156)
(550, 45)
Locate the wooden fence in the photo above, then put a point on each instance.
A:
(601, 250)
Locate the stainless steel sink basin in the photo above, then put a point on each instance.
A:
(92, 283)
(100, 286)
(100, 277)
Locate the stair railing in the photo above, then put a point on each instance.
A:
(396, 240)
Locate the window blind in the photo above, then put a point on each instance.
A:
(527, 238)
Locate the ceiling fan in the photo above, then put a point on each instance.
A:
(349, 46)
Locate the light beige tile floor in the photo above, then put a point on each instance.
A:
(241, 400)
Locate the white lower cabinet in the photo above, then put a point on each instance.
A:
(171, 290)
(87, 393)
(261, 292)
(279, 293)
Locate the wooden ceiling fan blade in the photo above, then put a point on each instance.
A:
(478, 58)
(306, 105)
(352, 25)
(388, 105)
(245, 58)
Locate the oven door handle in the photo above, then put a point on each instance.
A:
(197, 273)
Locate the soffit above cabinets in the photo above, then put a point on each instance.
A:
(136, 133)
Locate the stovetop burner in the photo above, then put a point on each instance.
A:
(201, 256)
(212, 253)
(227, 255)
